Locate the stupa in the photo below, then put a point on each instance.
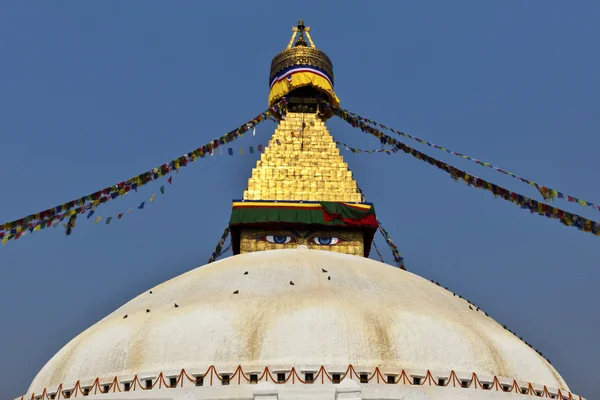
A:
(299, 311)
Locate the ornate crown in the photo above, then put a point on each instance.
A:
(301, 53)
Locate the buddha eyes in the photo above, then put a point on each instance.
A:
(325, 240)
(280, 239)
(316, 240)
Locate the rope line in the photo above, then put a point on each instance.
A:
(378, 252)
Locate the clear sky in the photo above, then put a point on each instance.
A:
(93, 93)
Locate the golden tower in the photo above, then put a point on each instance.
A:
(301, 191)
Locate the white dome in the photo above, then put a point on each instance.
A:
(368, 314)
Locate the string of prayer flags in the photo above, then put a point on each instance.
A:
(69, 226)
(251, 150)
(90, 209)
(226, 249)
(546, 192)
(140, 207)
(218, 249)
(10, 229)
(355, 150)
(534, 206)
(378, 252)
(398, 259)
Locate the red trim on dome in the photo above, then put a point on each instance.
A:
(509, 385)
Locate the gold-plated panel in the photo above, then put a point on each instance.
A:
(302, 162)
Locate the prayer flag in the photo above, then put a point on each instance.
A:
(251, 149)
(120, 216)
(152, 198)
(230, 151)
(170, 180)
(141, 206)
(90, 214)
(98, 218)
(259, 148)
(162, 189)
(241, 151)
(108, 220)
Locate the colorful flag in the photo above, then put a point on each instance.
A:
(141, 206)
(98, 218)
(108, 220)
(259, 148)
(251, 149)
(241, 151)
(152, 198)
(170, 180)
(230, 151)
(120, 216)
(162, 189)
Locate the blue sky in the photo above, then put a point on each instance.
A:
(94, 93)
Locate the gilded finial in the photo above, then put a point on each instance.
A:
(301, 41)
(303, 30)
(301, 56)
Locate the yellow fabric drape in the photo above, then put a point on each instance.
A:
(299, 79)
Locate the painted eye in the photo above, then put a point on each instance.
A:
(326, 240)
(279, 239)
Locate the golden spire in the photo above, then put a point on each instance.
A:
(301, 187)
(302, 162)
(300, 65)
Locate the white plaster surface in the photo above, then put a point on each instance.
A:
(369, 314)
